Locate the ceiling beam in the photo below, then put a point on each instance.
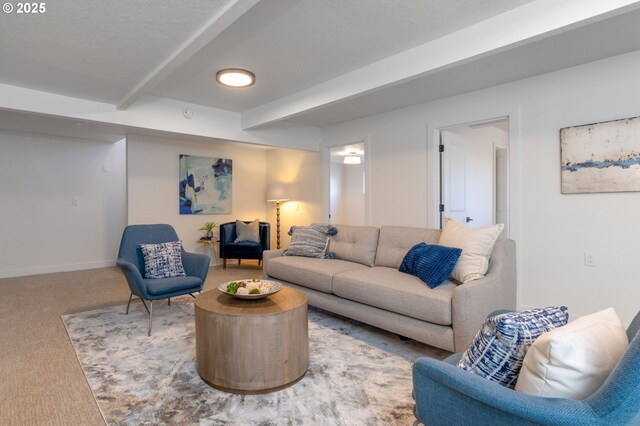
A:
(157, 115)
(207, 33)
(526, 24)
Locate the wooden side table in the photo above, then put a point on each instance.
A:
(252, 346)
(211, 244)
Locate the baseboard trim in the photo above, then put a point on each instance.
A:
(56, 268)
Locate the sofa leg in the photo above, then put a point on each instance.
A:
(224, 263)
(259, 262)
(238, 261)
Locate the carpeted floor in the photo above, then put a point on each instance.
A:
(42, 382)
(358, 375)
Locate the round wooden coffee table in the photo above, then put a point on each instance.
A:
(252, 346)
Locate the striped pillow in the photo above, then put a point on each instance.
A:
(310, 241)
(498, 349)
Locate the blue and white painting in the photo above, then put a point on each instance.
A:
(601, 157)
(205, 185)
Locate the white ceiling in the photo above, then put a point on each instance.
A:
(120, 51)
(602, 39)
(96, 49)
(294, 44)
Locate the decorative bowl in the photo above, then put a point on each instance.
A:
(275, 287)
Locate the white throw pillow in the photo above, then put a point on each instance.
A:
(574, 360)
(476, 244)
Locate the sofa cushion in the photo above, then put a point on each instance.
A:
(244, 248)
(355, 243)
(395, 242)
(308, 272)
(500, 346)
(574, 361)
(431, 263)
(392, 290)
(169, 285)
(476, 244)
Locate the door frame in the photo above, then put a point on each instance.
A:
(326, 175)
(434, 129)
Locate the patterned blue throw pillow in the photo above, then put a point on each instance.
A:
(498, 349)
(163, 260)
(431, 263)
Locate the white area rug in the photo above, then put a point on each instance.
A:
(358, 375)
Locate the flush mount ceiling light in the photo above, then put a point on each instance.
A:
(235, 77)
(352, 158)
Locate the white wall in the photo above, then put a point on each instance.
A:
(302, 171)
(552, 230)
(152, 168)
(40, 230)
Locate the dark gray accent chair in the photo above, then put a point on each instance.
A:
(131, 261)
(229, 249)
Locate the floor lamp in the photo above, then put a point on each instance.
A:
(277, 192)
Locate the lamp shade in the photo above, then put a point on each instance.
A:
(277, 192)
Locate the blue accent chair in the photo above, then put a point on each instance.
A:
(229, 249)
(448, 395)
(131, 261)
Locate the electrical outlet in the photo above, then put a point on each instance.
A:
(590, 259)
(105, 167)
(75, 201)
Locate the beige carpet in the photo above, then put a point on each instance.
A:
(42, 382)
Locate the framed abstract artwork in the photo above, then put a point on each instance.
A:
(601, 157)
(205, 185)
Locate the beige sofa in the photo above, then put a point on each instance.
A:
(364, 283)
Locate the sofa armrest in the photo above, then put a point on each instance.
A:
(196, 265)
(472, 301)
(446, 394)
(265, 235)
(267, 255)
(134, 277)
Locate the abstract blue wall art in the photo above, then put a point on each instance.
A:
(205, 185)
(601, 157)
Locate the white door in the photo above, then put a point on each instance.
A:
(453, 195)
(474, 174)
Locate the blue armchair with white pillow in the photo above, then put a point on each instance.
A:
(447, 395)
(190, 268)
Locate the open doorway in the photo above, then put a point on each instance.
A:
(474, 174)
(347, 184)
